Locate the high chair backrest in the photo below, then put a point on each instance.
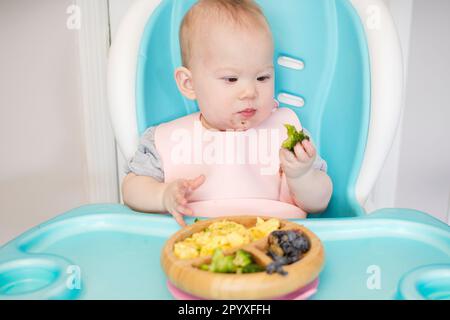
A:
(337, 64)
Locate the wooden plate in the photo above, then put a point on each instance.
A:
(186, 275)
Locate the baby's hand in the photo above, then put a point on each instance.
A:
(176, 194)
(296, 164)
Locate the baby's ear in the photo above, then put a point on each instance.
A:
(183, 77)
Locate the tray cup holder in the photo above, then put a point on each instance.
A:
(33, 278)
(430, 282)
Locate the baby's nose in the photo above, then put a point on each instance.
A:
(249, 92)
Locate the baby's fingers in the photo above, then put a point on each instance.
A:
(180, 199)
(181, 203)
(300, 153)
(178, 218)
(185, 210)
(286, 155)
(197, 182)
(309, 147)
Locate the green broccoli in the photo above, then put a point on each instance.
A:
(226, 265)
(252, 267)
(242, 258)
(204, 267)
(221, 263)
(217, 256)
(294, 136)
(240, 262)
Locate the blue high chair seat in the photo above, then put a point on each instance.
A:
(322, 70)
(338, 66)
(333, 85)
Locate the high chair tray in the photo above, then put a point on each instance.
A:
(111, 252)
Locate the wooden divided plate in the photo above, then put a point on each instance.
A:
(186, 275)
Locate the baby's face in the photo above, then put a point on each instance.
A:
(233, 76)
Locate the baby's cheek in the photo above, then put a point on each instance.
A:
(265, 113)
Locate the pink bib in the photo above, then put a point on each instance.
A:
(242, 168)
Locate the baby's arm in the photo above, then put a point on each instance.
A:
(310, 188)
(143, 193)
(312, 191)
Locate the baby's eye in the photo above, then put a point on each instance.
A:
(263, 78)
(230, 79)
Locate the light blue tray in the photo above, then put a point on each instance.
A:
(115, 252)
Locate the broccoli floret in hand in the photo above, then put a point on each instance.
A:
(294, 137)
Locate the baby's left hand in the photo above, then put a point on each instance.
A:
(296, 164)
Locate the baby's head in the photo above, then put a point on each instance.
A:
(227, 55)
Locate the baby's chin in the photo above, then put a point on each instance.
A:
(241, 124)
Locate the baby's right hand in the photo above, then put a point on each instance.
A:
(176, 194)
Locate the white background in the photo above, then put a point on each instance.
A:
(44, 169)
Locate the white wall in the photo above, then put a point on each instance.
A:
(411, 178)
(42, 163)
(424, 172)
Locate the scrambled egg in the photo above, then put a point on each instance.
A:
(224, 235)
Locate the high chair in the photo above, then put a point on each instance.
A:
(338, 66)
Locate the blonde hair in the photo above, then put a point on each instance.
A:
(240, 12)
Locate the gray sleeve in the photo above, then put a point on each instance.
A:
(319, 163)
(146, 161)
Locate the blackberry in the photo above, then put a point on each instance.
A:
(286, 247)
(302, 244)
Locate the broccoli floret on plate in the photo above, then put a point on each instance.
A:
(242, 258)
(221, 263)
(252, 267)
(240, 262)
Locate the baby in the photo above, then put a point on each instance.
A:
(227, 55)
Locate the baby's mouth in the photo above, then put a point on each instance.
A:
(248, 113)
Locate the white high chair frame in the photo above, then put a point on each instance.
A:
(386, 84)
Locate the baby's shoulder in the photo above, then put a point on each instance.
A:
(181, 122)
(284, 115)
